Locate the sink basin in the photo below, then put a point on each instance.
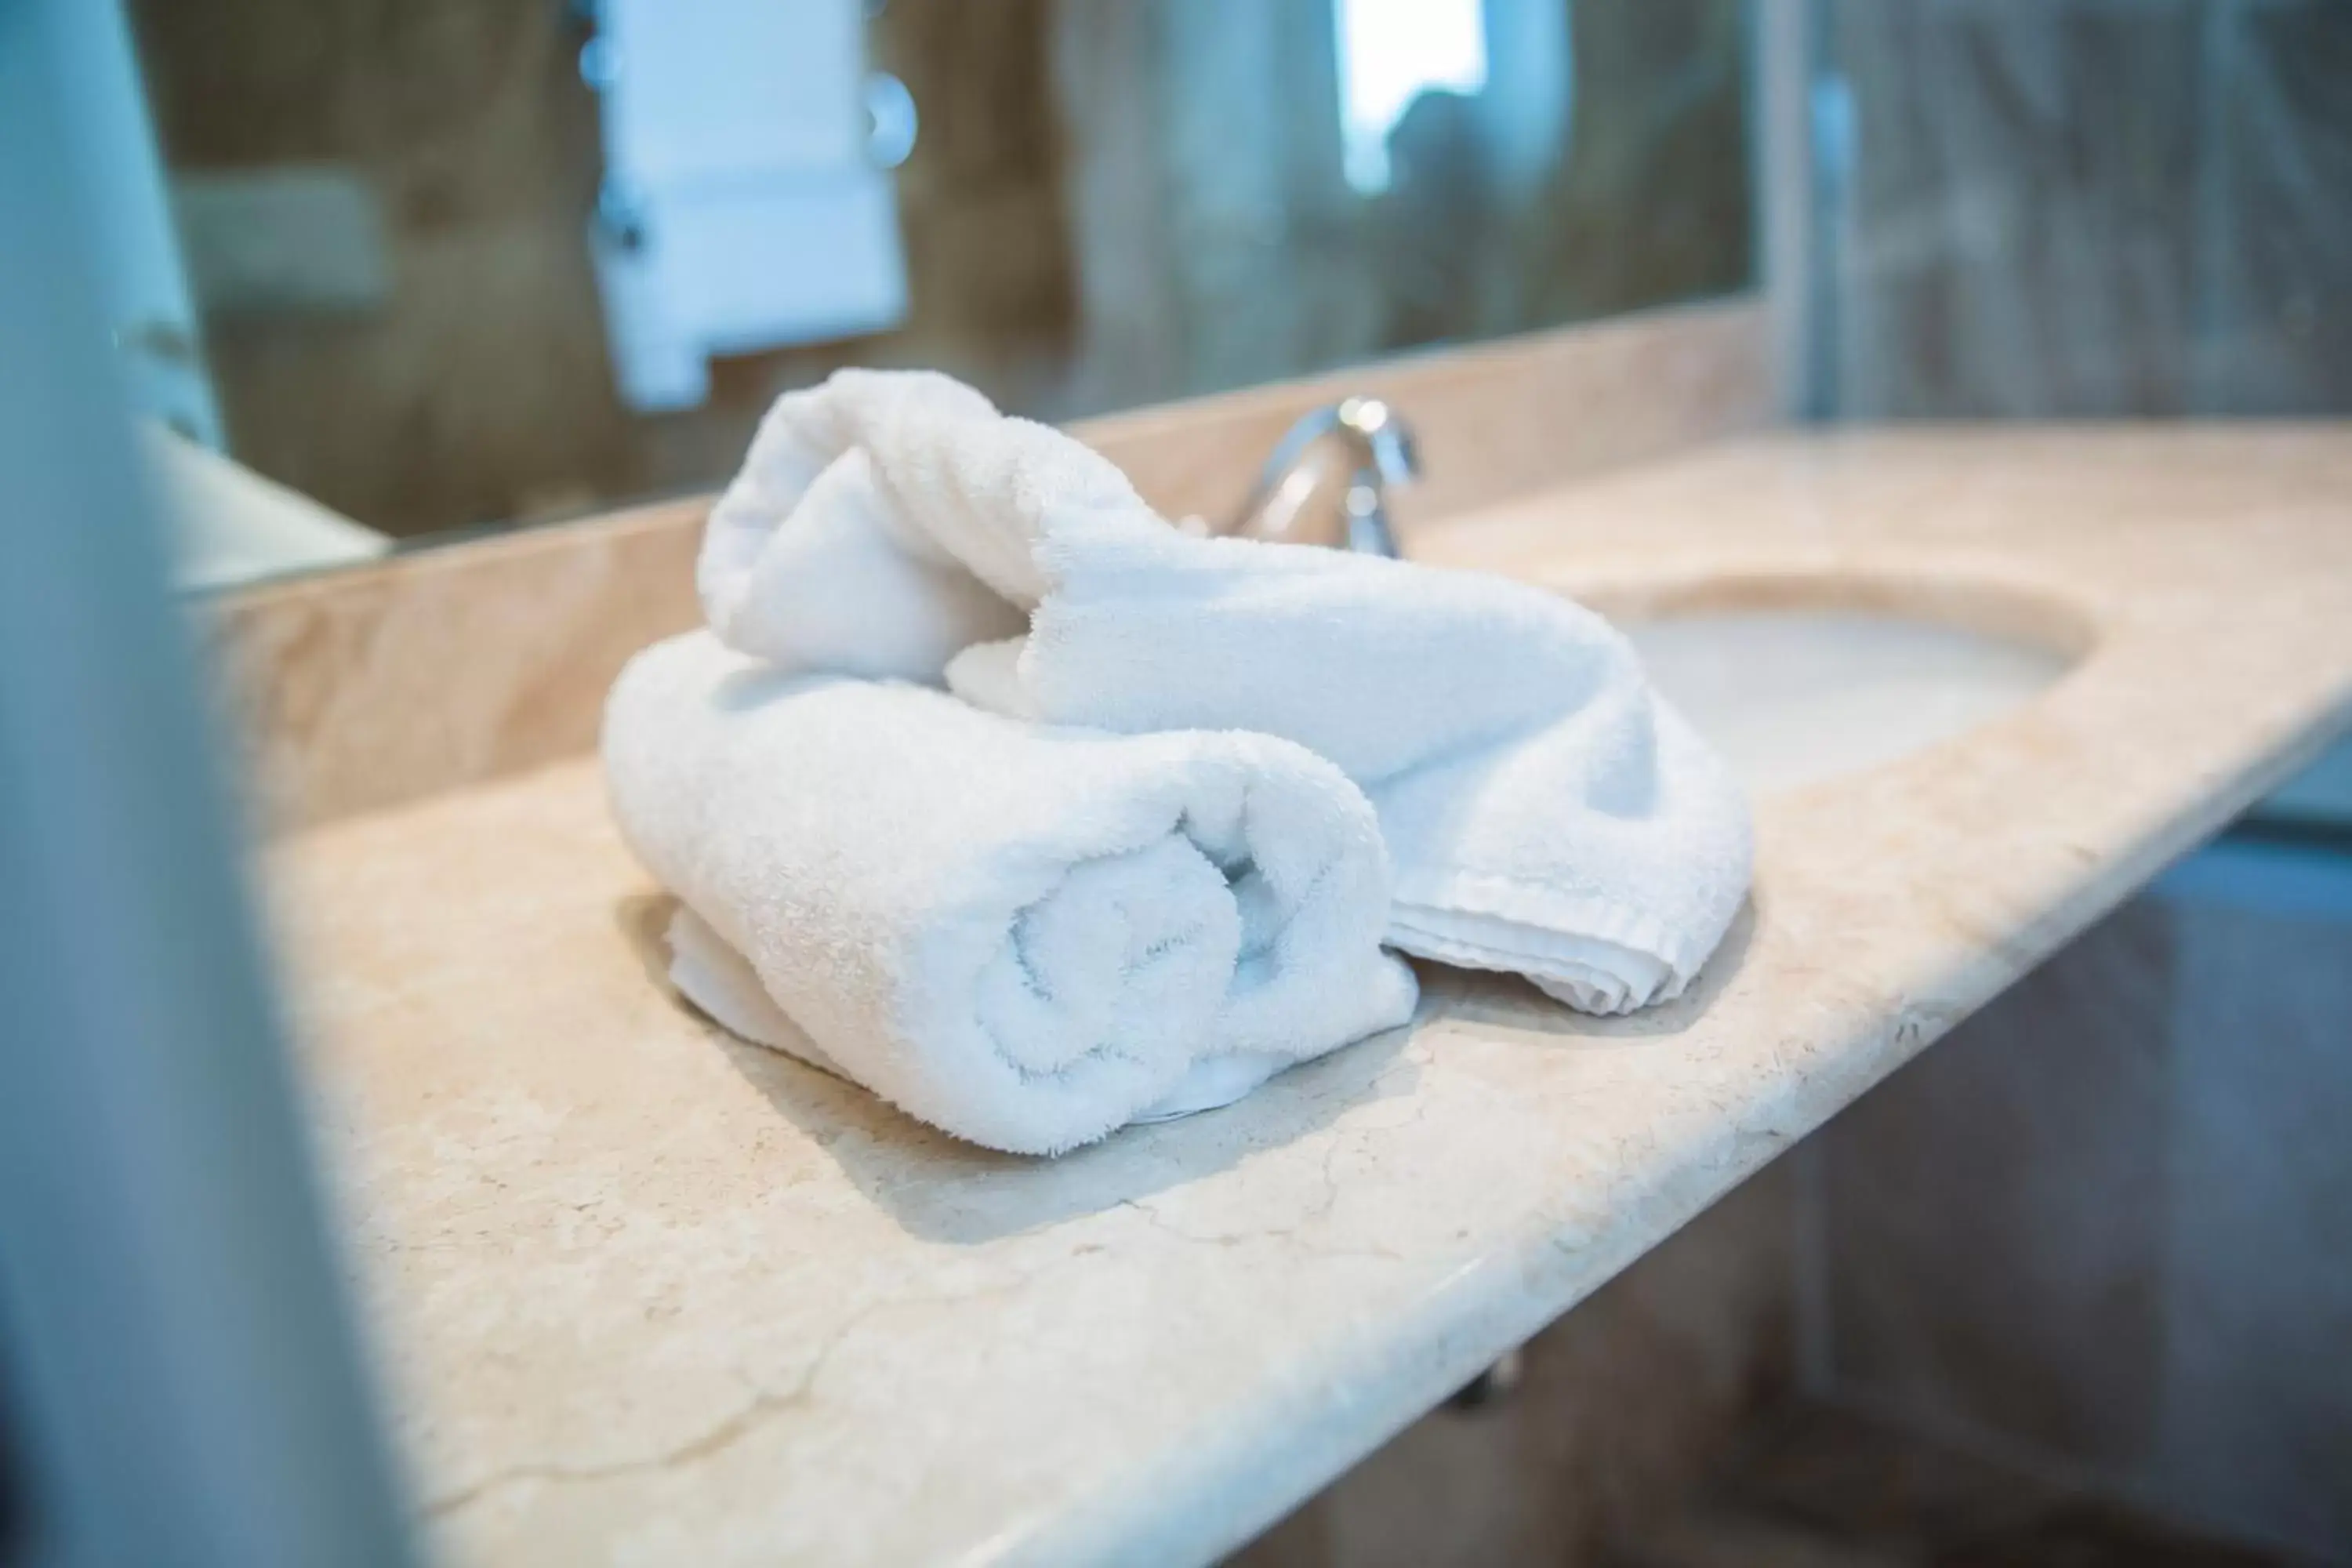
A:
(1796, 683)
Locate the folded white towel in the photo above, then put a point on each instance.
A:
(1544, 811)
(1026, 935)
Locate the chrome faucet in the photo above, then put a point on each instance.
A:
(1380, 451)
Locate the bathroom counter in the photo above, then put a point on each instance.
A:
(647, 1293)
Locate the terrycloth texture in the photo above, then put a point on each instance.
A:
(723, 985)
(1026, 935)
(1544, 811)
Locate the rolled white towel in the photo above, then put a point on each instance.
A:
(722, 984)
(1025, 935)
(1545, 812)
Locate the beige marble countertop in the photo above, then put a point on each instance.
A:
(646, 1294)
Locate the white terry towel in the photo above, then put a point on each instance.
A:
(1023, 934)
(1544, 811)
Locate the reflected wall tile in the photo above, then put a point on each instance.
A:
(1109, 203)
(2015, 235)
(2090, 208)
(1654, 200)
(2280, 335)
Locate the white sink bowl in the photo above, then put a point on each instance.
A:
(1794, 692)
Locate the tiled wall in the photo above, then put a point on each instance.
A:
(2108, 1221)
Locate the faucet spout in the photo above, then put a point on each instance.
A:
(1380, 453)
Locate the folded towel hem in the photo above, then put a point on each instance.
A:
(1553, 913)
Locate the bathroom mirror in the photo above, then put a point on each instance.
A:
(408, 273)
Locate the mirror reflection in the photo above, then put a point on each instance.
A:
(409, 272)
